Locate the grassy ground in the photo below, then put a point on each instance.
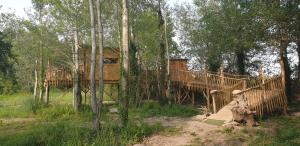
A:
(275, 130)
(23, 122)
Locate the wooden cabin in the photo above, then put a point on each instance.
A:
(178, 64)
(111, 66)
(62, 77)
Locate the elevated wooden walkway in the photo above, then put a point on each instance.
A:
(262, 95)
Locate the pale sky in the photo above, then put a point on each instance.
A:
(19, 5)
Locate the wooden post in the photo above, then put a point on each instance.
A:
(193, 98)
(263, 93)
(222, 75)
(214, 103)
(244, 84)
(207, 89)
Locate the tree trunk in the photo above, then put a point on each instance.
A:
(93, 59)
(46, 85)
(125, 66)
(162, 67)
(101, 82)
(134, 68)
(285, 67)
(240, 62)
(168, 92)
(36, 80)
(42, 76)
(41, 59)
(298, 51)
(77, 88)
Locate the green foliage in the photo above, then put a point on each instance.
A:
(150, 109)
(7, 72)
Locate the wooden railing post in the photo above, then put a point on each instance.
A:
(207, 88)
(244, 84)
(263, 92)
(222, 76)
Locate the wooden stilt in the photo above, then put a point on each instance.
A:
(193, 96)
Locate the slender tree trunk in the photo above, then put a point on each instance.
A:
(41, 59)
(47, 87)
(285, 67)
(134, 67)
(93, 59)
(240, 61)
(101, 57)
(168, 92)
(162, 67)
(36, 80)
(125, 66)
(42, 75)
(298, 51)
(76, 88)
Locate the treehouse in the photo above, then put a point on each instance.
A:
(62, 77)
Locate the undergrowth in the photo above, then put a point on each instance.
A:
(61, 133)
(150, 109)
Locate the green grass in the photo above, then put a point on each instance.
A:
(150, 109)
(12, 106)
(61, 133)
(25, 122)
(282, 131)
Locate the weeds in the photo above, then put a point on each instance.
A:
(150, 109)
(62, 133)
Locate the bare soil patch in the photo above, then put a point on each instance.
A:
(192, 131)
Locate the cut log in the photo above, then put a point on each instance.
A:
(241, 112)
(243, 115)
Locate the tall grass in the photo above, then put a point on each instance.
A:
(150, 109)
(62, 133)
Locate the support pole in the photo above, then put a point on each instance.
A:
(207, 88)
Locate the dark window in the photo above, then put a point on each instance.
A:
(110, 60)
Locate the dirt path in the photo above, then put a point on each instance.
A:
(190, 131)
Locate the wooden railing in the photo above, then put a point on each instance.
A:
(266, 97)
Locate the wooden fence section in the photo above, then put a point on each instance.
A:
(263, 95)
(205, 82)
(267, 97)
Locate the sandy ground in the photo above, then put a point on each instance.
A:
(191, 131)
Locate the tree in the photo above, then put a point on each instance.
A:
(39, 5)
(162, 59)
(7, 72)
(101, 58)
(69, 15)
(123, 105)
(93, 59)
